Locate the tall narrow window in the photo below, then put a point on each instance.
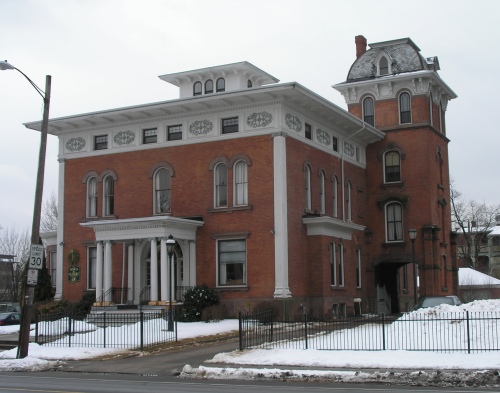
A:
(221, 185)
(92, 197)
(322, 203)
(405, 108)
(335, 200)
(162, 191)
(240, 184)
(232, 262)
(392, 167)
(333, 265)
(249, 83)
(335, 143)
(91, 271)
(341, 265)
(53, 268)
(109, 196)
(358, 268)
(209, 86)
(383, 66)
(394, 222)
(368, 111)
(221, 85)
(307, 183)
(308, 131)
(348, 202)
(197, 89)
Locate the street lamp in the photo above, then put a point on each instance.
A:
(27, 298)
(170, 252)
(412, 233)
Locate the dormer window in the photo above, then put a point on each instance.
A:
(209, 86)
(383, 66)
(197, 89)
(249, 83)
(221, 85)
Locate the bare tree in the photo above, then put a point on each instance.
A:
(49, 215)
(473, 221)
(17, 244)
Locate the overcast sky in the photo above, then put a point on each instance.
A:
(104, 54)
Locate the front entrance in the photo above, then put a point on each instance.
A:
(391, 283)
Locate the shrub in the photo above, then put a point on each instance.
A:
(195, 300)
(214, 313)
(83, 307)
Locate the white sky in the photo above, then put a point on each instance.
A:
(104, 54)
(317, 360)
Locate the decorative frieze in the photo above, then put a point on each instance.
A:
(293, 122)
(323, 137)
(348, 149)
(261, 119)
(76, 144)
(200, 127)
(124, 138)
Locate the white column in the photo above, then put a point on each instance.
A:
(108, 270)
(98, 272)
(281, 289)
(172, 278)
(154, 271)
(130, 274)
(192, 264)
(163, 269)
(60, 231)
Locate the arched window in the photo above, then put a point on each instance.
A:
(348, 202)
(162, 191)
(220, 181)
(92, 197)
(307, 184)
(240, 183)
(394, 222)
(221, 85)
(197, 89)
(404, 108)
(368, 112)
(335, 199)
(322, 203)
(392, 167)
(249, 83)
(383, 66)
(109, 196)
(209, 86)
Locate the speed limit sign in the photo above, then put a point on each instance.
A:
(36, 257)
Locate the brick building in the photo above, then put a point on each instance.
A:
(270, 191)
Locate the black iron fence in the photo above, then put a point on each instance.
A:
(437, 332)
(106, 330)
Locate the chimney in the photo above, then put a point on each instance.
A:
(360, 45)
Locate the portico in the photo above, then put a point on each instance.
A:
(145, 239)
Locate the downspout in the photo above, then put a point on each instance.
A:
(342, 160)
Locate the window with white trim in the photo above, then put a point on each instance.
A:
(174, 133)
(197, 89)
(109, 196)
(404, 108)
(368, 111)
(91, 267)
(307, 184)
(358, 268)
(322, 203)
(383, 66)
(92, 197)
(230, 125)
(209, 86)
(149, 135)
(220, 180)
(53, 268)
(162, 191)
(100, 142)
(220, 85)
(394, 222)
(232, 260)
(392, 167)
(240, 183)
(333, 265)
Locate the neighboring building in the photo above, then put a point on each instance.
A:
(494, 249)
(474, 285)
(270, 191)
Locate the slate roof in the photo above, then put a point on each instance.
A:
(405, 57)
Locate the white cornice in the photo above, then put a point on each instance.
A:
(329, 226)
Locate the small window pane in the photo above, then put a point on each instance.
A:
(209, 86)
(384, 66)
(308, 131)
(174, 133)
(197, 89)
(100, 142)
(229, 125)
(221, 84)
(150, 135)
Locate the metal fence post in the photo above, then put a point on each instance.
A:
(305, 330)
(240, 329)
(36, 327)
(383, 331)
(69, 330)
(142, 330)
(104, 327)
(468, 332)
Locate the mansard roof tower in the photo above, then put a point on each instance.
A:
(394, 88)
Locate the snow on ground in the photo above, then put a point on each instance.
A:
(316, 361)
